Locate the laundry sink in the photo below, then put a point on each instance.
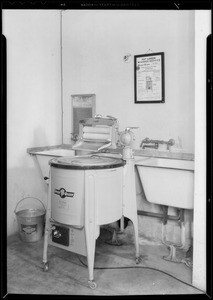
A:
(167, 181)
(43, 155)
(56, 152)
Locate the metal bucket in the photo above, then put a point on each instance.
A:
(30, 222)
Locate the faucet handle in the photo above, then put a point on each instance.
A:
(146, 140)
(171, 142)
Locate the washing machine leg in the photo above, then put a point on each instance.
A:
(134, 220)
(46, 234)
(45, 262)
(137, 256)
(90, 243)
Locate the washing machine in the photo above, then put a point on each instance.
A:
(85, 192)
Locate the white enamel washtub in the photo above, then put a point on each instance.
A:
(167, 181)
(56, 152)
(44, 156)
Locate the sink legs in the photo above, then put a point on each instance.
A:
(173, 247)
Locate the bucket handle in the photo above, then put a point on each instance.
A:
(29, 198)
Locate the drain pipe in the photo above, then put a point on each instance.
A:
(164, 216)
(172, 246)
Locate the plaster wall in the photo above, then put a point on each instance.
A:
(94, 43)
(33, 101)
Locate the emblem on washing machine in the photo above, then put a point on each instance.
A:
(63, 193)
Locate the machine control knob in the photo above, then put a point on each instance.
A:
(56, 233)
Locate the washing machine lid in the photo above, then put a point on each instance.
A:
(87, 162)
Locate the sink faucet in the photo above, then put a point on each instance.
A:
(155, 143)
(170, 142)
(146, 141)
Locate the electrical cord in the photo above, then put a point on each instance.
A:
(141, 267)
(128, 267)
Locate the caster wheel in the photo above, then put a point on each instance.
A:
(45, 267)
(92, 284)
(138, 260)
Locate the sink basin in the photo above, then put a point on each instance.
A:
(56, 152)
(167, 181)
(44, 156)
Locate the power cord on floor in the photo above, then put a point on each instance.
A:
(129, 267)
(142, 267)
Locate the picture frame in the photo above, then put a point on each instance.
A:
(149, 78)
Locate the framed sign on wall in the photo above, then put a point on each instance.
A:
(149, 78)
